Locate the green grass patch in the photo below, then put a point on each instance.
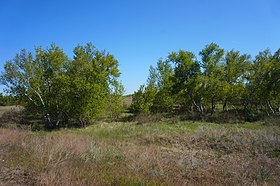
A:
(128, 130)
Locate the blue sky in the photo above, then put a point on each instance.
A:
(139, 32)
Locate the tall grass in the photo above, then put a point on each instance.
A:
(130, 154)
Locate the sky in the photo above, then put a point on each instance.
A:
(139, 32)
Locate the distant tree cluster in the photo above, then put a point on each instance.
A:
(81, 89)
(6, 100)
(87, 88)
(228, 79)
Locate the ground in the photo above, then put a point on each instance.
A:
(126, 153)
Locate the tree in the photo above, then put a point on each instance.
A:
(235, 72)
(163, 101)
(142, 100)
(61, 89)
(34, 79)
(182, 82)
(115, 101)
(275, 80)
(186, 71)
(263, 86)
(94, 84)
(211, 87)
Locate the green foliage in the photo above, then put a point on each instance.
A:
(235, 72)
(93, 76)
(61, 89)
(163, 100)
(186, 73)
(231, 80)
(156, 96)
(115, 101)
(264, 81)
(211, 57)
(7, 100)
(143, 99)
(86, 88)
(212, 76)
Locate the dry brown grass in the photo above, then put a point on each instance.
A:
(4, 109)
(207, 156)
(10, 117)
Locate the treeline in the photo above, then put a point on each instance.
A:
(6, 100)
(218, 82)
(62, 90)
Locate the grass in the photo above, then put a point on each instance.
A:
(122, 131)
(5, 109)
(126, 153)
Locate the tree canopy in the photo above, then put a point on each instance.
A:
(231, 79)
(86, 87)
(61, 89)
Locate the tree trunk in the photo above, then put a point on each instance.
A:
(59, 119)
(201, 104)
(47, 115)
(196, 107)
(213, 106)
(201, 99)
(83, 122)
(270, 107)
(225, 105)
(48, 120)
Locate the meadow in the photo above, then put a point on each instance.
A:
(131, 153)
